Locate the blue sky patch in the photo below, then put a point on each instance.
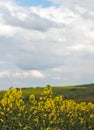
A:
(44, 3)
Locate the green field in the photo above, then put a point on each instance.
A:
(49, 108)
(78, 93)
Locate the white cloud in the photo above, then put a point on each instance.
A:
(57, 69)
(83, 3)
(32, 73)
(53, 42)
(4, 74)
(17, 16)
(37, 74)
(7, 31)
(22, 74)
(2, 62)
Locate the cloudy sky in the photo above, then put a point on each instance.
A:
(46, 42)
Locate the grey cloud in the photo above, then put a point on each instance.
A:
(40, 61)
(32, 21)
(69, 47)
(41, 57)
(89, 4)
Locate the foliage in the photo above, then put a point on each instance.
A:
(47, 113)
(81, 93)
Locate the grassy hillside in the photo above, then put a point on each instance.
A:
(78, 93)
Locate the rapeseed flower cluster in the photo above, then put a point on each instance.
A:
(46, 113)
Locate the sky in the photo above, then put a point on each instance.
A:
(46, 42)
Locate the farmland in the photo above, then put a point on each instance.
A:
(78, 93)
(49, 108)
